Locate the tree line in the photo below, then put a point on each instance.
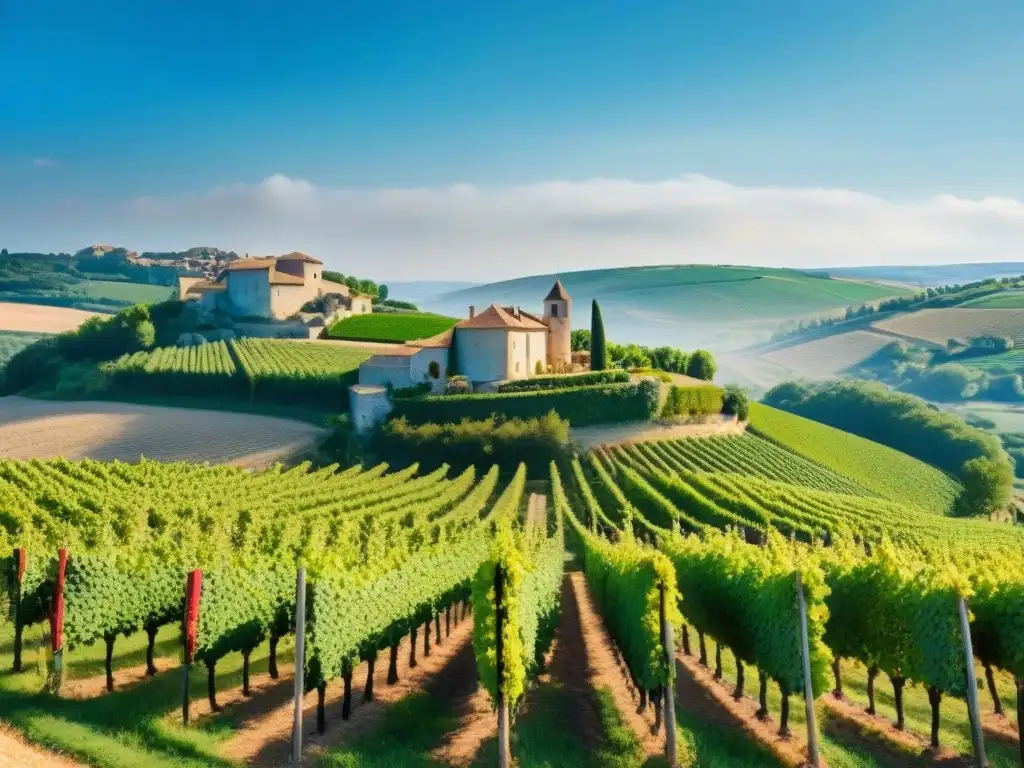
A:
(606, 354)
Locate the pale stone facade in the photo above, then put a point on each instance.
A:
(271, 288)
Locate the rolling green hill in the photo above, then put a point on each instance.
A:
(687, 305)
(889, 473)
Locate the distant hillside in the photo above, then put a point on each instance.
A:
(935, 274)
(685, 306)
(418, 290)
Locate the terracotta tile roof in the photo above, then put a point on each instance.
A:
(503, 317)
(442, 340)
(557, 292)
(298, 256)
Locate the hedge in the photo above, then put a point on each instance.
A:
(692, 401)
(507, 443)
(580, 406)
(565, 382)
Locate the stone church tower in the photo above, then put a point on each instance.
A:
(557, 317)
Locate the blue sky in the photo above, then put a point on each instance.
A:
(105, 102)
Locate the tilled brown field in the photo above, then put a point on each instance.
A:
(35, 318)
(38, 429)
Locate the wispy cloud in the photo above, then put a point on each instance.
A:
(480, 233)
(45, 162)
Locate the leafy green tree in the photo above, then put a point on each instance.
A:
(701, 365)
(735, 401)
(598, 349)
(580, 340)
(634, 356)
(382, 292)
(987, 484)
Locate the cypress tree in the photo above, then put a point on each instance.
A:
(598, 351)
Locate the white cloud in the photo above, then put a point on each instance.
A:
(479, 233)
(45, 162)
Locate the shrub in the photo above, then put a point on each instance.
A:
(947, 382)
(702, 365)
(566, 381)
(735, 402)
(416, 390)
(538, 369)
(505, 442)
(579, 405)
(80, 380)
(458, 385)
(692, 401)
(1008, 387)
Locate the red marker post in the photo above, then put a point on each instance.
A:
(57, 621)
(193, 592)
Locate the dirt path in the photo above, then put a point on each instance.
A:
(15, 752)
(589, 660)
(537, 510)
(125, 677)
(586, 438)
(581, 660)
(107, 431)
(264, 721)
(36, 318)
(710, 699)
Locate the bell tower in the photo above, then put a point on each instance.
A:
(557, 317)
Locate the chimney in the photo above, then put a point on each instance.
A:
(472, 311)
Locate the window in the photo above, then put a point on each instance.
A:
(517, 367)
(554, 310)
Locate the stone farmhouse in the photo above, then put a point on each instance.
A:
(273, 288)
(495, 345)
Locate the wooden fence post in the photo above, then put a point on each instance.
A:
(504, 752)
(668, 701)
(300, 662)
(812, 726)
(972, 688)
(193, 592)
(19, 577)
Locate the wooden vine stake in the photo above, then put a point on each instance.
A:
(19, 576)
(57, 622)
(972, 688)
(668, 705)
(504, 753)
(193, 591)
(812, 726)
(300, 662)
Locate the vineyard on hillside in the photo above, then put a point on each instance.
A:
(792, 566)
(883, 471)
(830, 356)
(107, 549)
(268, 370)
(884, 593)
(940, 325)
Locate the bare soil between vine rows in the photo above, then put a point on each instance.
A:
(264, 721)
(15, 752)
